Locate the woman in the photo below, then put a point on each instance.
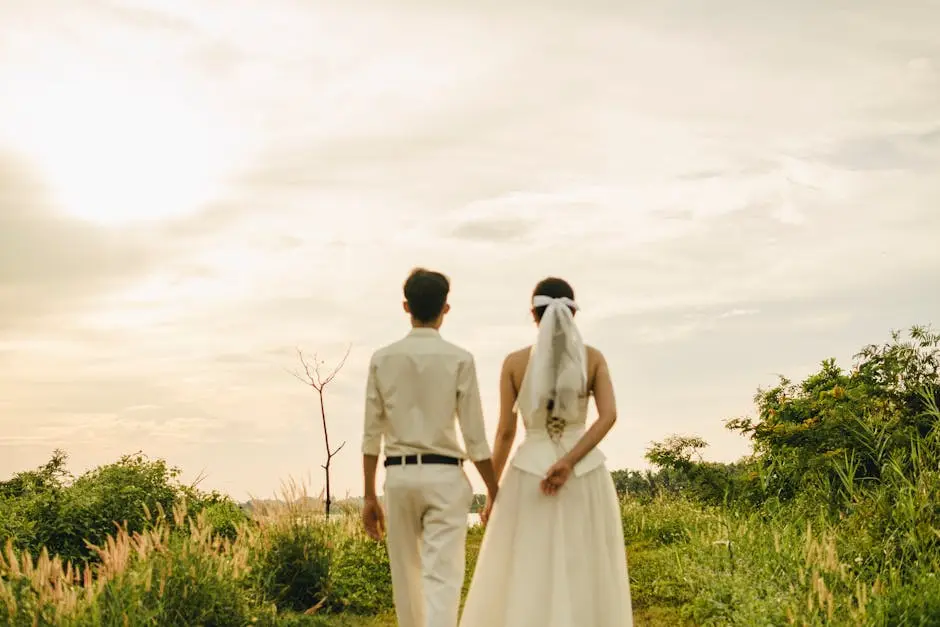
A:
(553, 553)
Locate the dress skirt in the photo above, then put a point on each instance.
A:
(552, 561)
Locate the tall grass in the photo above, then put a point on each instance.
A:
(718, 568)
(875, 562)
(284, 567)
(835, 520)
(290, 566)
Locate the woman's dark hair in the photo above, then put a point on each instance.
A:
(426, 292)
(553, 287)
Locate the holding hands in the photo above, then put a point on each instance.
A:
(488, 508)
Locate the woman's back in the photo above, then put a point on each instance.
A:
(552, 432)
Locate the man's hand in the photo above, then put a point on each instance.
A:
(556, 477)
(488, 508)
(374, 519)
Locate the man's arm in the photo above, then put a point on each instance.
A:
(372, 515)
(370, 464)
(372, 430)
(470, 417)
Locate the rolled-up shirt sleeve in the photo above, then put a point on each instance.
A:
(470, 412)
(374, 419)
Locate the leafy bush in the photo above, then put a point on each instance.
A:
(29, 502)
(360, 575)
(206, 563)
(166, 578)
(649, 484)
(45, 508)
(832, 520)
(837, 432)
(292, 559)
(223, 515)
(916, 604)
(158, 577)
(124, 493)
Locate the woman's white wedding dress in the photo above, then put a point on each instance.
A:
(552, 561)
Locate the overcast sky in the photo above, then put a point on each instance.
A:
(191, 188)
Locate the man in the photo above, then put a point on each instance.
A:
(416, 388)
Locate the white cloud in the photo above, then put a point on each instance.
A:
(706, 179)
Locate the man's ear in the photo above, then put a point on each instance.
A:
(405, 306)
(446, 308)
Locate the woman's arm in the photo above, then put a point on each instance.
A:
(506, 430)
(606, 413)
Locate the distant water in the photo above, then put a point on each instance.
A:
(473, 520)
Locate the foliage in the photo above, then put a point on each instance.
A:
(836, 432)
(479, 502)
(361, 582)
(834, 520)
(157, 577)
(649, 484)
(45, 508)
(293, 558)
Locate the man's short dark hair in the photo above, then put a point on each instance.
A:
(553, 287)
(426, 292)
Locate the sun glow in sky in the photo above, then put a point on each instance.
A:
(190, 189)
(114, 142)
(115, 150)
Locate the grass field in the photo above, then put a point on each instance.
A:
(643, 617)
(690, 564)
(834, 520)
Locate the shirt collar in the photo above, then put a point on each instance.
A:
(424, 332)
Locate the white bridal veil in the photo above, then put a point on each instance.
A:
(558, 368)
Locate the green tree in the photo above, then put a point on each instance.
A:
(838, 431)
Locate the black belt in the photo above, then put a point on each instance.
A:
(427, 458)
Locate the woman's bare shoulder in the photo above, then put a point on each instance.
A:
(515, 364)
(595, 358)
(594, 355)
(517, 357)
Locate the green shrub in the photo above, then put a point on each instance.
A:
(916, 604)
(292, 560)
(223, 515)
(185, 580)
(46, 509)
(837, 433)
(125, 493)
(361, 582)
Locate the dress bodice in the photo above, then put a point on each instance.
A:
(550, 434)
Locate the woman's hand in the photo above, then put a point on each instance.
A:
(557, 476)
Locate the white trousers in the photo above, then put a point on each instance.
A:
(426, 526)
